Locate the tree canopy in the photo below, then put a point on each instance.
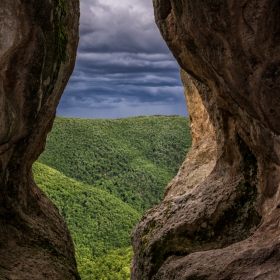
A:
(102, 175)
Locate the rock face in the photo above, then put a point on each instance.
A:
(220, 215)
(37, 54)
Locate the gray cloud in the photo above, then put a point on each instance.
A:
(123, 66)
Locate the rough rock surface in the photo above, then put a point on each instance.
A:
(220, 215)
(38, 42)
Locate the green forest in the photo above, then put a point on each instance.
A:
(103, 174)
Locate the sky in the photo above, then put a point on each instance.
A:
(123, 66)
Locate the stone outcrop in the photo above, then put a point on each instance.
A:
(37, 55)
(220, 215)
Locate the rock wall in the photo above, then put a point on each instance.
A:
(220, 215)
(37, 55)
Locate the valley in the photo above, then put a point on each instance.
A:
(103, 174)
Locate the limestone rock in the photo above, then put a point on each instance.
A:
(220, 214)
(37, 55)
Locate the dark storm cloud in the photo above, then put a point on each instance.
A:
(119, 26)
(122, 64)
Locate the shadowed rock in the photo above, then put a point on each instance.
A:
(37, 54)
(220, 214)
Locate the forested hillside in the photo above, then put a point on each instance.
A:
(132, 158)
(99, 222)
(102, 175)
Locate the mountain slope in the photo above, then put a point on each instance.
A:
(118, 169)
(98, 221)
(131, 158)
